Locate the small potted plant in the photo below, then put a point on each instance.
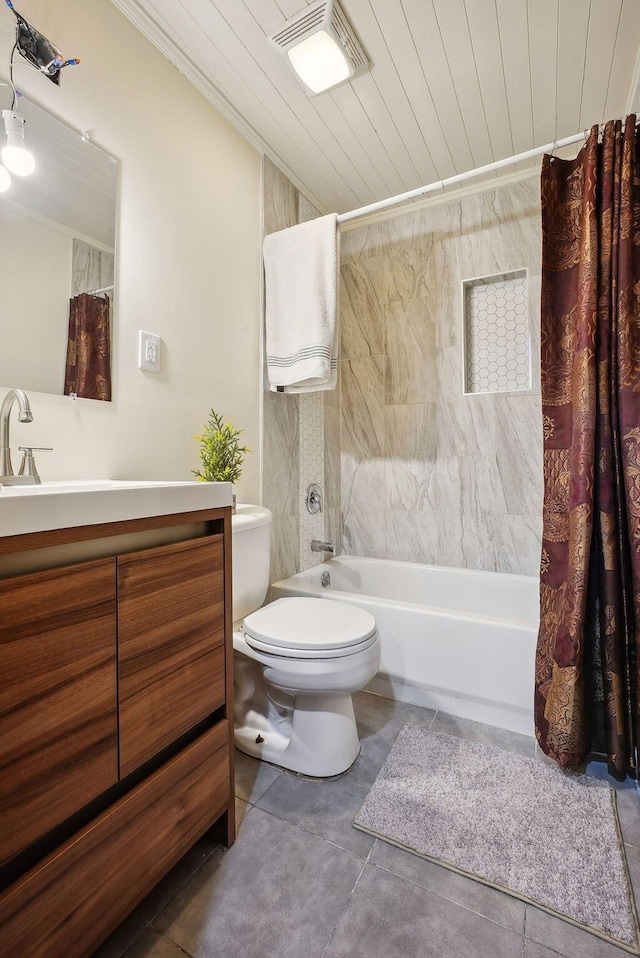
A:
(220, 451)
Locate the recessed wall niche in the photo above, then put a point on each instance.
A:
(497, 335)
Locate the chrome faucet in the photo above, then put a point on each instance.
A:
(318, 546)
(24, 415)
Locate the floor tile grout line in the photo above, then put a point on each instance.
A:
(561, 954)
(368, 861)
(434, 891)
(149, 926)
(174, 943)
(550, 948)
(308, 831)
(143, 927)
(215, 850)
(255, 804)
(148, 922)
(347, 903)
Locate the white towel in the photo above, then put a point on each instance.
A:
(301, 287)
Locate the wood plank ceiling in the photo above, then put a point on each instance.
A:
(453, 84)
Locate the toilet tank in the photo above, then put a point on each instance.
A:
(251, 527)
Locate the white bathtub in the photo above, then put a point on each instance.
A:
(452, 639)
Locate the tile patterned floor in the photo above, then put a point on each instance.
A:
(300, 882)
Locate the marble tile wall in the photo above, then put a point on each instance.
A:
(91, 268)
(429, 474)
(297, 431)
(281, 411)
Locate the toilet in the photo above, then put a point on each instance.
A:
(297, 662)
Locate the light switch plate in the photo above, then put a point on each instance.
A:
(149, 352)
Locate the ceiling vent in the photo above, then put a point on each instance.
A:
(321, 46)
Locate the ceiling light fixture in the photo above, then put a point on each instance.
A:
(15, 156)
(321, 46)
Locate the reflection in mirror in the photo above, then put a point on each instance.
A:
(57, 235)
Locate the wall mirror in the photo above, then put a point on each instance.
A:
(57, 242)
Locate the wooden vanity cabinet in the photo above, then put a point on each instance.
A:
(115, 721)
(58, 721)
(170, 644)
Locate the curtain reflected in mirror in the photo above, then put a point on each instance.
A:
(88, 367)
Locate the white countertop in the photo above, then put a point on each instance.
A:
(61, 505)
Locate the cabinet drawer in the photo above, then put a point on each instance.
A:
(170, 644)
(70, 902)
(58, 735)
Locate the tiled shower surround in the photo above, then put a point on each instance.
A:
(281, 412)
(297, 433)
(430, 474)
(91, 268)
(497, 333)
(414, 469)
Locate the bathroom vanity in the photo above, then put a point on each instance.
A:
(116, 689)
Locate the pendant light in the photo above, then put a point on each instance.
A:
(15, 155)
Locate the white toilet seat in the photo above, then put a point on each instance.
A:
(310, 628)
(281, 653)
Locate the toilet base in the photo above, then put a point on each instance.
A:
(317, 736)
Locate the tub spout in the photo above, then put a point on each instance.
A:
(318, 546)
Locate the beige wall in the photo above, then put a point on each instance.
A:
(188, 266)
(34, 310)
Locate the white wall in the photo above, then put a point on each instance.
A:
(188, 265)
(35, 285)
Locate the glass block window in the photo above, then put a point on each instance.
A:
(497, 339)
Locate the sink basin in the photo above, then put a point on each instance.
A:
(61, 505)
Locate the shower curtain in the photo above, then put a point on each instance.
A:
(88, 368)
(586, 696)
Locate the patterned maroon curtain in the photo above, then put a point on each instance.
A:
(88, 370)
(586, 667)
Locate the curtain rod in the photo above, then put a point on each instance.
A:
(460, 177)
(103, 289)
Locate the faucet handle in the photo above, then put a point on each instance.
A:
(28, 465)
(313, 499)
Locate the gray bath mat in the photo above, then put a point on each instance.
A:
(517, 824)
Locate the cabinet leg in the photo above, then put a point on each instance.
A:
(224, 830)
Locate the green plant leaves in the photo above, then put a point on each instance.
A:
(221, 454)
